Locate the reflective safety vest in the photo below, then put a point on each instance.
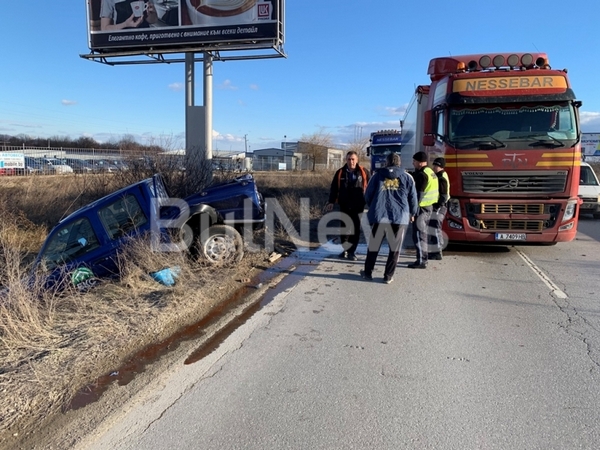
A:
(431, 192)
(445, 175)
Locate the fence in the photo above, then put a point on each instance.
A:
(24, 161)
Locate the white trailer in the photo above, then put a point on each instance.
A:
(412, 126)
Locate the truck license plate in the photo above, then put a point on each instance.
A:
(511, 236)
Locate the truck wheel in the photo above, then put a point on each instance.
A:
(221, 244)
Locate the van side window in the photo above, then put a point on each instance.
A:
(122, 216)
(586, 177)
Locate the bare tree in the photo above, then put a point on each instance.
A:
(315, 146)
(359, 145)
(166, 142)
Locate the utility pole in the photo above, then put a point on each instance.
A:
(245, 144)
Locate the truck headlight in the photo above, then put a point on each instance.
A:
(569, 210)
(454, 208)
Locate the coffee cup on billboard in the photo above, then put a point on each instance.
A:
(138, 8)
(221, 12)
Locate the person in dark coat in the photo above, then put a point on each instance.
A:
(348, 191)
(392, 200)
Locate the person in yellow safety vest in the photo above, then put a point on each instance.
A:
(438, 241)
(426, 184)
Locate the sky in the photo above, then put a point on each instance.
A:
(351, 68)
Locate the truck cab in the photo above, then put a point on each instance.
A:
(382, 143)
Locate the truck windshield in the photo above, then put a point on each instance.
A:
(532, 126)
(384, 149)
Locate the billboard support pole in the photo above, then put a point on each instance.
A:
(189, 79)
(208, 100)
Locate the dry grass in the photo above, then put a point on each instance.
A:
(53, 345)
(288, 188)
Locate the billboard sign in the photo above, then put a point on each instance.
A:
(10, 160)
(590, 144)
(168, 25)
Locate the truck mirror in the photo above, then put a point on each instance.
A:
(368, 151)
(428, 122)
(428, 140)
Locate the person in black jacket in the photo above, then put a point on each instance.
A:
(426, 184)
(348, 191)
(439, 209)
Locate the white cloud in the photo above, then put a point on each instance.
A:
(176, 87)
(590, 121)
(395, 110)
(254, 87)
(226, 85)
(68, 102)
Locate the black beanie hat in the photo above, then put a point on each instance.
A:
(439, 162)
(420, 157)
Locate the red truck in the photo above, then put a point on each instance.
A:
(508, 126)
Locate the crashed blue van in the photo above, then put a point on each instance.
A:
(84, 247)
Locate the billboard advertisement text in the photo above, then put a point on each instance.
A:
(590, 145)
(117, 25)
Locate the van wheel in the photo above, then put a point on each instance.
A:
(596, 215)
(221, 244)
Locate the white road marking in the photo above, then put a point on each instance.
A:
(553, 287)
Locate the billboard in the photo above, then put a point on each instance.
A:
(590, 145)
(9, 160)
(171, 25)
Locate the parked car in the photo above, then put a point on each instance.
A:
(32, 166)
(118, 163)
(589, 191)
(55, 166)
(85, 246)
(6, 171)
(78, 165)
(101, 165)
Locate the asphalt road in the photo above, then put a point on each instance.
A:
(494, 349)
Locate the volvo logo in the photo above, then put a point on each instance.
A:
(514, 159)
(513, 183)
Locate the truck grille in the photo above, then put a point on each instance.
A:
(487, 208)
(512, 225)
(533, 217)
(515, 182)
